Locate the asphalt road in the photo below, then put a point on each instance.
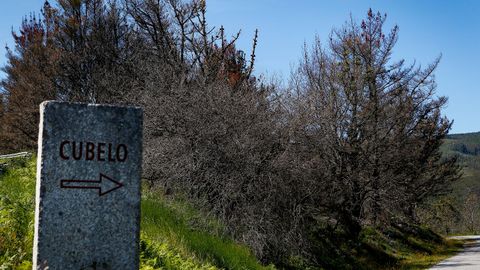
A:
(468, 259)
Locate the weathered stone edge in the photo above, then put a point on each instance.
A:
(47, 102)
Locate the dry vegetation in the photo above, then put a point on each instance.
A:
(353, 142)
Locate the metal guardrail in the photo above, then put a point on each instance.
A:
(21, 154)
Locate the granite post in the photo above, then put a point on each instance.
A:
(87, 213)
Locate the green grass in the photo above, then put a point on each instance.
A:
(176, 224)
(406, 247)
(424, 260)
(17, 200)
(174, 235)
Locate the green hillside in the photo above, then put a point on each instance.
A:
(458, 211)
(467, 148)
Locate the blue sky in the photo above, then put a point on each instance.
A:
(428, 28)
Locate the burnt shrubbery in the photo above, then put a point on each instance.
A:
(353, 141)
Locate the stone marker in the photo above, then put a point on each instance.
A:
(88, 187)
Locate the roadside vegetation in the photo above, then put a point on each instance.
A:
(176, 236)
(184, 235)
(329, 171)
(17, 207)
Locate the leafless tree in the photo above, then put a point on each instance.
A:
(471, 213)
(374, 127)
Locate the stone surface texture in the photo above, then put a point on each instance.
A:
(88, 206)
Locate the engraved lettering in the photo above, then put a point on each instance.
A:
(111, 157)
(77, 153)
(62, 147)
(90, 151)
(125, 152)
(97, 151)
(101, 151)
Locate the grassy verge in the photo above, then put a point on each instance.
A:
(188, 235)
(174, 235)
(17, 203)
(405, 247)
(422, 260)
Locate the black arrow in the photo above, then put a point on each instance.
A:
(104, 184)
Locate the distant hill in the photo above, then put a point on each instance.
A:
(458, 210)
(467, 147)
(465, 144)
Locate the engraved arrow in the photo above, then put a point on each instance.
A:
(104, 184)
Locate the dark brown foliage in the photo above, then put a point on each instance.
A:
(374, 127)
(29, 81)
